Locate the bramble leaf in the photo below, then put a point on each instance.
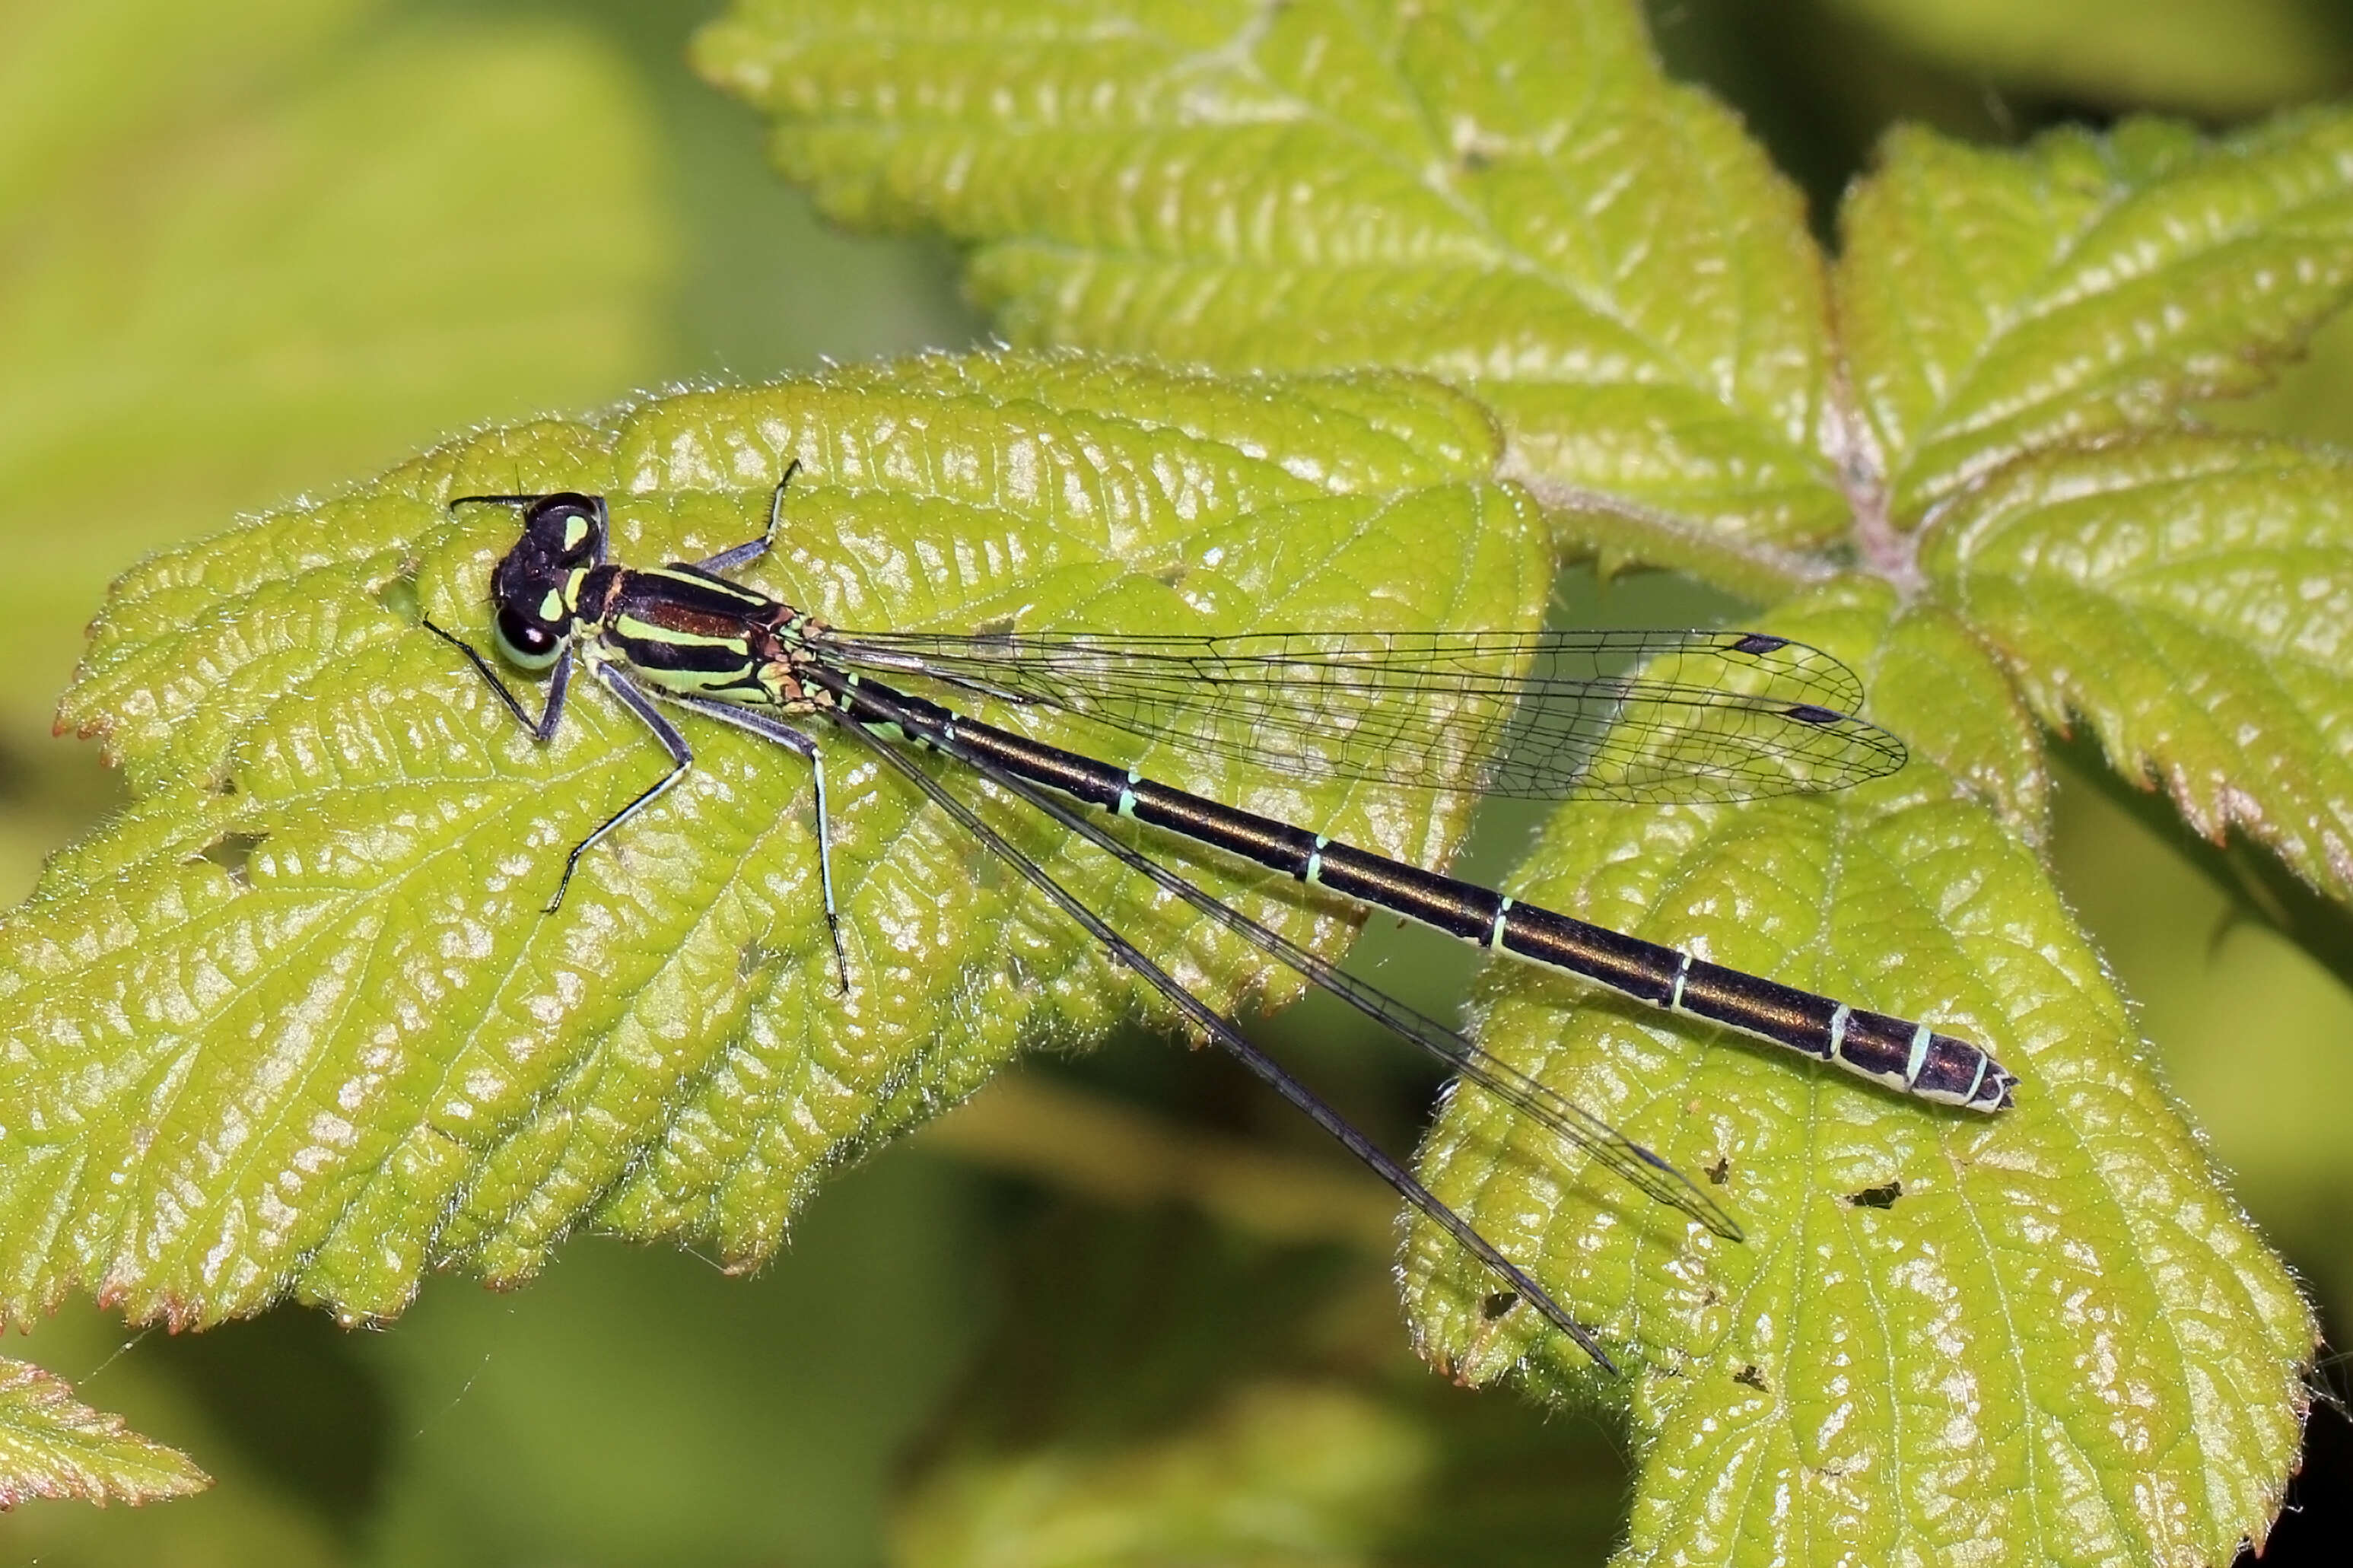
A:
(53, 1445)
(2192, 597)
(296, 1025)
(1510, 196)
(1997, 304)
(2041, 1335)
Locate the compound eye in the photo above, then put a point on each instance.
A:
(568, 523)
(525, 641)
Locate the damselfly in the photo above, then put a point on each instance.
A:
(1649, 715)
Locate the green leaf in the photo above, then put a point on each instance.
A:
(1510, 196)
(1931, 674)
(2039, 1336)
(258, 248)
(2222, 57)
(1997, 304)
(295, 1023)
(1156, 1381)
(52, 1445)
(1282, 1476)
(100, 78)
(2189, 597)
(2058, 1338)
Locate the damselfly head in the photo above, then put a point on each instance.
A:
(534, 585)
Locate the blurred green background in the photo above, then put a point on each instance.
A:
(1122, 1309)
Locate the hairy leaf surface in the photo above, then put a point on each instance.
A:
(1508, 194)
(52, 1445)
(296, 1023)
(1510, 197)
(2042, 1336)
(2192, 598)
(1996, 303)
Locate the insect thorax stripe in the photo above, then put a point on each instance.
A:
(680, 584)
(653, 649)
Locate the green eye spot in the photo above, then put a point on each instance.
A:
(551, 608)
(575, 532)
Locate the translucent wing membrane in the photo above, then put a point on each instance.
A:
(1650, 716)
(1547, 1107)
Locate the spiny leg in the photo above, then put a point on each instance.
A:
(752, 549)
(681, 758)
(784, 735)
